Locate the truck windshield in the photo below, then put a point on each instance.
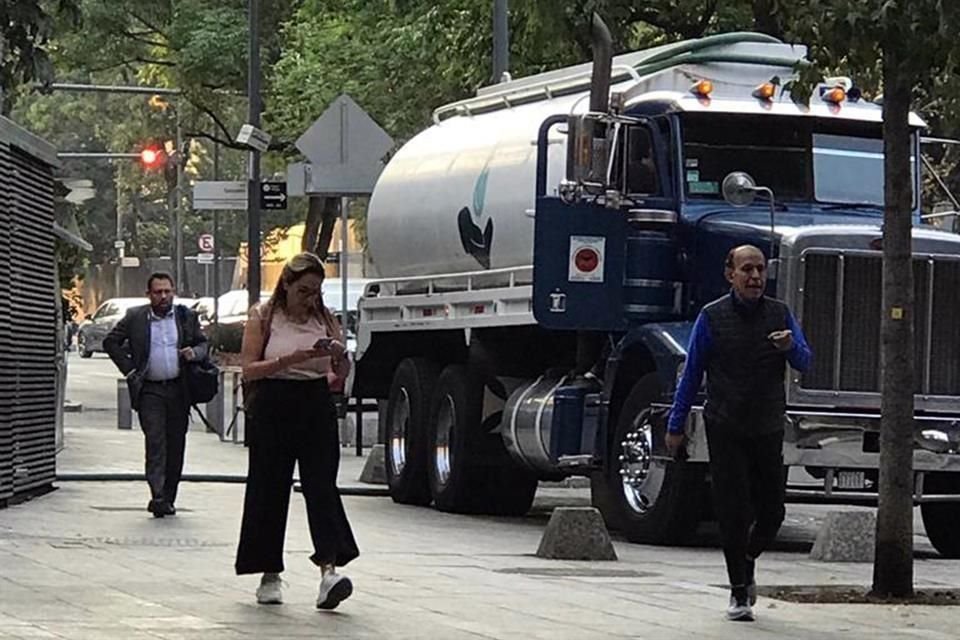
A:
(801, 159)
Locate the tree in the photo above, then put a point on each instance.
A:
(914, 41)
(25, 30)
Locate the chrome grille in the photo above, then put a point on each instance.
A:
(842, 297)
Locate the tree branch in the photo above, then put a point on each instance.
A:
(162, 63)
(138, 37)
(147, 24)
(276, 145)
(230, 144)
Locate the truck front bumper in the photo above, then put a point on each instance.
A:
(843, 451)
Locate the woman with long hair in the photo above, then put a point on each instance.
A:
(293, 353)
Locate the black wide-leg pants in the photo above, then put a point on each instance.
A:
(292, 421)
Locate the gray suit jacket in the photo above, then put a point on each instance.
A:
(128, 344)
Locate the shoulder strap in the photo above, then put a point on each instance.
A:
(265, 311)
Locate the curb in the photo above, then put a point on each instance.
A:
(348, 490)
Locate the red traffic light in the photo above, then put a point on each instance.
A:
(151, 158)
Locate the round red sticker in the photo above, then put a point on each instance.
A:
(586, 259)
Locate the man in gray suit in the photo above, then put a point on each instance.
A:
(151, 346)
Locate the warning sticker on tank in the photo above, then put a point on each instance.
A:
(586, 258)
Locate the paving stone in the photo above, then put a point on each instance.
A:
(576, 533)
(846, 536)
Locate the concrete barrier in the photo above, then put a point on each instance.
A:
(576, 533)
(374, 471)
(846, 536)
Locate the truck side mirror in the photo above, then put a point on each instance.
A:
(739, 189)
(588, 151)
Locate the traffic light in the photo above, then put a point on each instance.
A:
(152, 158)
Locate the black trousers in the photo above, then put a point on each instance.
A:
(292, 421)
(163, 419)
(748, 494)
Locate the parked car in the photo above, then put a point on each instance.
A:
(95, 328)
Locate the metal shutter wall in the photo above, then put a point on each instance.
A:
(7, 362)
(32, 315)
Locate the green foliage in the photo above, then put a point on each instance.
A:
(25, 30)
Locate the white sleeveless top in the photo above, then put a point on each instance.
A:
(286, 337)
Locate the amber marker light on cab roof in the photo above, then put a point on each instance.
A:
(835, 95)
(702, 88)
(765, 91)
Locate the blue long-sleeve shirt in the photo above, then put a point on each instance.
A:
(798, 356)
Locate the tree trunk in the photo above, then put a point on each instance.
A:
(765, 18)
(893, 564)
(329, 217)
(312, 226)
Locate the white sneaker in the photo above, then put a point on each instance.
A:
(739, 611)
(270, 590)
(334, 589)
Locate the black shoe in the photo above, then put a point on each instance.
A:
(157, 508)
(169, 509)
(739, 609)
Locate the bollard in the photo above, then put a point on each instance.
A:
(124, 410)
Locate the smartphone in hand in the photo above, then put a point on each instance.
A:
(323, 343)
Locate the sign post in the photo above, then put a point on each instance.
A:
(346, 150)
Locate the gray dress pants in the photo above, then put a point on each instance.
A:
(163, 420)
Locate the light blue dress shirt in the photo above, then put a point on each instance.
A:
(164, 361)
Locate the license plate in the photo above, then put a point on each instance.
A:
(851, 480)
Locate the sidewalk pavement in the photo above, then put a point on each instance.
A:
(87, 561)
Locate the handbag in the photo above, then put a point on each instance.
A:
(250, 387)
(203, 380)
(201, 376)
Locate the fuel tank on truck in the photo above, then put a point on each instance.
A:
(459, 196)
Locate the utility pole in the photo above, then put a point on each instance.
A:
(501, 40)
(118, 273)
(216, 243)
(253, 191)
(180, 263)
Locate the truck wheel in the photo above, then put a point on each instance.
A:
(940, 518)
(407, 414)
(454, 437)
(470, 470)
(507, 489)
(649, 500)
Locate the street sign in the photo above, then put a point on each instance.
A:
(253, 137)
(130, 261)
(273, 195)
(205, 242)
(346, 149)
(204, 258)
(119, 244)
(229, 195)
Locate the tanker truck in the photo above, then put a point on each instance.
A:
(544, 247)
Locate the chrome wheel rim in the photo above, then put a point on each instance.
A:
(399, 428)
(443, 446)
(641, 475)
